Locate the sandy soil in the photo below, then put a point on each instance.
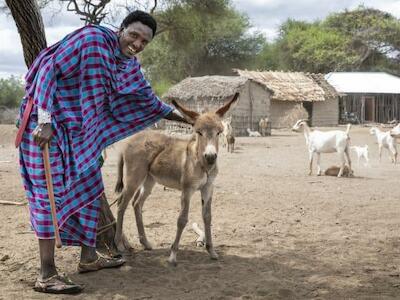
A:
(280, 233)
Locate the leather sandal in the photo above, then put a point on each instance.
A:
(57, 284)
(101, 263)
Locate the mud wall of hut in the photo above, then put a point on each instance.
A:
(253, 105)
(325, 113)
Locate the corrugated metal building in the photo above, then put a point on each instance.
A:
(371, 96)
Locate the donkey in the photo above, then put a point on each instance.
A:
(187, 165)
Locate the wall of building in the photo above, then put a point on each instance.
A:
(325, 113)
(254, 104)
(278, 112)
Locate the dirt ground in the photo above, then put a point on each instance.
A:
(280, 233)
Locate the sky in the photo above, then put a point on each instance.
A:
(264, 15)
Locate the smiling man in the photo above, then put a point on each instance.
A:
(82, 94)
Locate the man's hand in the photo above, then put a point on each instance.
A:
(42, 134)
(176, 116)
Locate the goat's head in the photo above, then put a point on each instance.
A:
(207, 127)
(299, 124)
(395, 132)
(373, 130)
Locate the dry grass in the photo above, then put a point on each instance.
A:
(296, 113)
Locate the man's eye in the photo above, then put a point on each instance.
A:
(134, 35)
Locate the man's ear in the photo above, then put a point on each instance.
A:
(190, 116)
(222, 111)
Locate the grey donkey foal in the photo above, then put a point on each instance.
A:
(188, 165)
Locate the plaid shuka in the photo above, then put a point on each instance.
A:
(96, 96)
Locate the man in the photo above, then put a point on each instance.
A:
(82, 94)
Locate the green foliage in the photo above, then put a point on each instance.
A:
(11, 92)
(198, 38)
(362, 39)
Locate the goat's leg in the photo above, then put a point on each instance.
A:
(318, 164)
(310, 157)
(342, 164)
(206, 200)
(137, 206)
(380, 152)
(181, 223)
(347, 152)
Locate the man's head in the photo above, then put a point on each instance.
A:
(136, 31)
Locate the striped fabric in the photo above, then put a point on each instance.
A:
(96, 96)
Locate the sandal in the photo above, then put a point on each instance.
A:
(57, 284)
(101, 263)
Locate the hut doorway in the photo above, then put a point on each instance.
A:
(308, 106)
(369, 113)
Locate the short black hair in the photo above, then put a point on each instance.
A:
(140, 16)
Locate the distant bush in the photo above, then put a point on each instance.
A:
(8, 115)
(11, 92)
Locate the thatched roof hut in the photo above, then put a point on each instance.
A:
(206, 87)
(316, 95)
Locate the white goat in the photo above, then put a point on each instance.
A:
(325, 142)
(361, 151)
(253, 133)
(385, 140)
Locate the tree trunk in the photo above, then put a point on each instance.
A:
(29, 22)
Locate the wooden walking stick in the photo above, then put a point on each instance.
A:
(49, 182)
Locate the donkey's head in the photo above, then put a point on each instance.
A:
(207, 127)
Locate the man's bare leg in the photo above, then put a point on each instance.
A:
(47, 265)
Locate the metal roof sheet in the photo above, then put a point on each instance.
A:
(364, 82)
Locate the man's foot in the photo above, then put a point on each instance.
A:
(100, 263)
(57, 284)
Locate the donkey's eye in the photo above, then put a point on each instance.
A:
(199, 133)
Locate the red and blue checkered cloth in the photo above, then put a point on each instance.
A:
(96, 96)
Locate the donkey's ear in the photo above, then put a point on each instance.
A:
(222, 111)
(190, 116)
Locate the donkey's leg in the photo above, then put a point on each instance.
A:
(134, 180)
(182, 221)
(206, 200)
(137, 206)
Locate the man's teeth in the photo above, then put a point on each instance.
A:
(131, 50)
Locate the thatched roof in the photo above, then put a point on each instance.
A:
(205, 87)
(287, 86)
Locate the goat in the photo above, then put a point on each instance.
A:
(263, 126)
(253, 133)
(361, 151)
(385, 140)
(325, 142)
(334, 171)
(228, 130)
(188, 165)
(231, 143)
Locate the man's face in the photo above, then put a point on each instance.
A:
(134, 38)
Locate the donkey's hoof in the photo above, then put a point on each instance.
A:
(172, 263)
(147, 245)
(213, 255)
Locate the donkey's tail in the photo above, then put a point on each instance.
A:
(120, 184)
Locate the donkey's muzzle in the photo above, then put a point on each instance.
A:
(210, 158)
